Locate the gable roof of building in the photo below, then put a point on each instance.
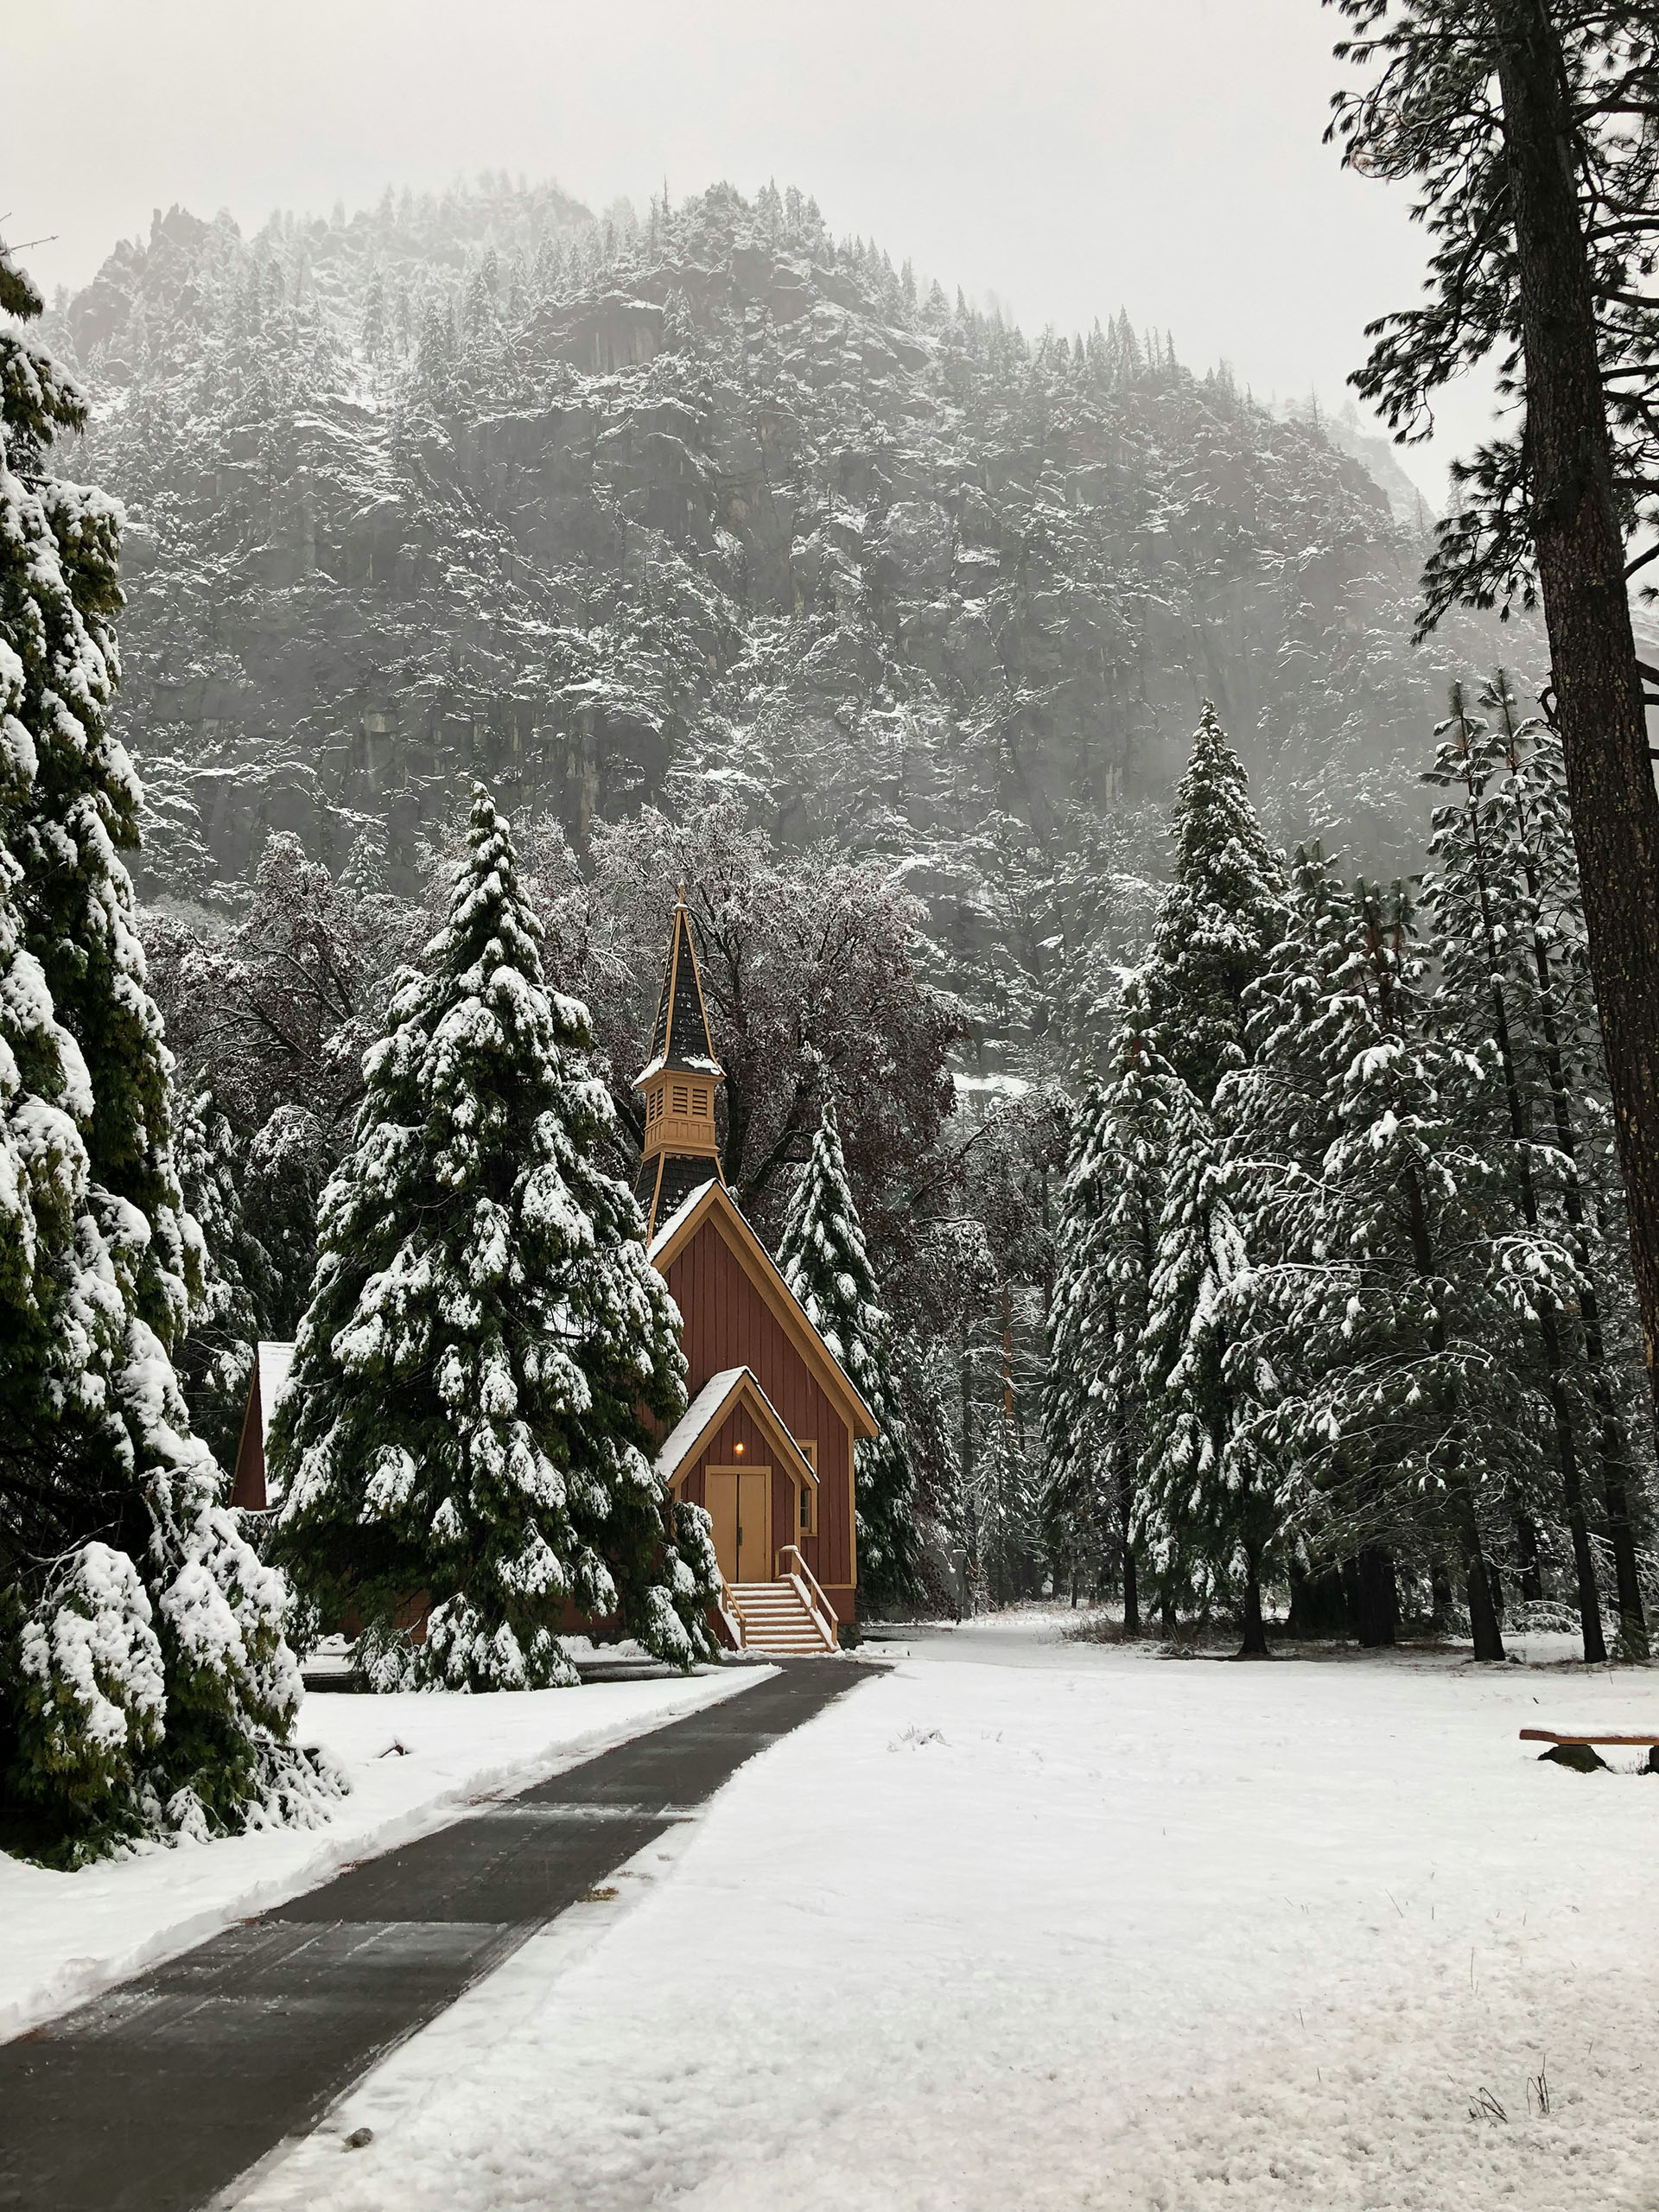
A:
(712, 1404)
(712, 1199)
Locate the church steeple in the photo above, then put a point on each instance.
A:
(677, 1085)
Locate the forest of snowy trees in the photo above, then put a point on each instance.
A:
(1218, 1207)
(1343, 1308)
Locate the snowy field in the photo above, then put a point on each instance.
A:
(1028, 1925)
(67, 1936)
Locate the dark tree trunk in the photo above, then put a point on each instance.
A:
(1584, 1564)
(1529, 1573)
(1378, 1610)
(1439, 1598)
(1483, 1613)
(1580, 550)
(1131, 1592)
(1255, 1645)
(1125, 1488)
(1319, 1605)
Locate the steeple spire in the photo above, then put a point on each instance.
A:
(677, 1084)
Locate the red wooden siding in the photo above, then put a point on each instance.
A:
(729, 1324)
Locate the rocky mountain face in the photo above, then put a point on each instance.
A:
(605, 510)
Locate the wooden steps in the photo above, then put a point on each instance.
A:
(777, 1619)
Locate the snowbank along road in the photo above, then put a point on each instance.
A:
(159, 2094)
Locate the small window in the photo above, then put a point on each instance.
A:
(806, 1511)
(700, 1101)
(809, 1451)
(680, 1104)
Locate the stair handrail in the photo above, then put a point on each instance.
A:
(817, 1603)
(733, 1610)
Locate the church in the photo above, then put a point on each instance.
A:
(765, 1443)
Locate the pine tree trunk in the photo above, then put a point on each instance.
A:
(1255, 1645)
(1439, 1598)
(1587, 611)
(1379, 1599)
(1584, 1564)
(1483, 1613)
(1526, 1551)
(1125, 1486)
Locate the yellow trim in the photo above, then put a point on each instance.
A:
(785, 1306)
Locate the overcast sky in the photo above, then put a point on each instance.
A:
(1064, 156)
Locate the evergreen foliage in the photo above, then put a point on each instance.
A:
(1212, 1508)
(1379, 1333)
(144, 1682)
(1219, 918)
(1386, 1312)
(823, 1261)
(1094, 1403)
(1509, 942)
(215, 1358)
(464, 1423)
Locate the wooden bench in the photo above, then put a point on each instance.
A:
(1550, 1736)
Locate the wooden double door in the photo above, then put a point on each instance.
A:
(739, 1500)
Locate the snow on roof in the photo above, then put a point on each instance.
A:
(688, 1064)
(696, 1417)
(703, 1409)
(666, 1229)
(275, 1360)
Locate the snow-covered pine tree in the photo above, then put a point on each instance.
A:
(215, 1358)
(465, 1417)
(1006, 1513)
(1221, 917)
(1095, 1405)
(1214, 1508)
(1569, 1046)
(145, 1683)
(1078, 1511)
(822, 1259)
(1281, 1118)
(1486, 935)
(926, 1384)
(1400, 1382)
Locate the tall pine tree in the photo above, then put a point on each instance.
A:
(465, 1420)
(1095, 1407)
(823, 1261)
(1214, 1507)
(144, 1682)
(1219, 919)
(1479, 903)
(1380, 1307)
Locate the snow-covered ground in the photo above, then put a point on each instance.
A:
(1028, 1925)
(415, 1764)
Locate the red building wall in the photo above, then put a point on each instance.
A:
(729, 1324)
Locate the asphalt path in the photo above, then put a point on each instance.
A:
(157, 2096)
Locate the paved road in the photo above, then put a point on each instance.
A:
(156, 2096)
